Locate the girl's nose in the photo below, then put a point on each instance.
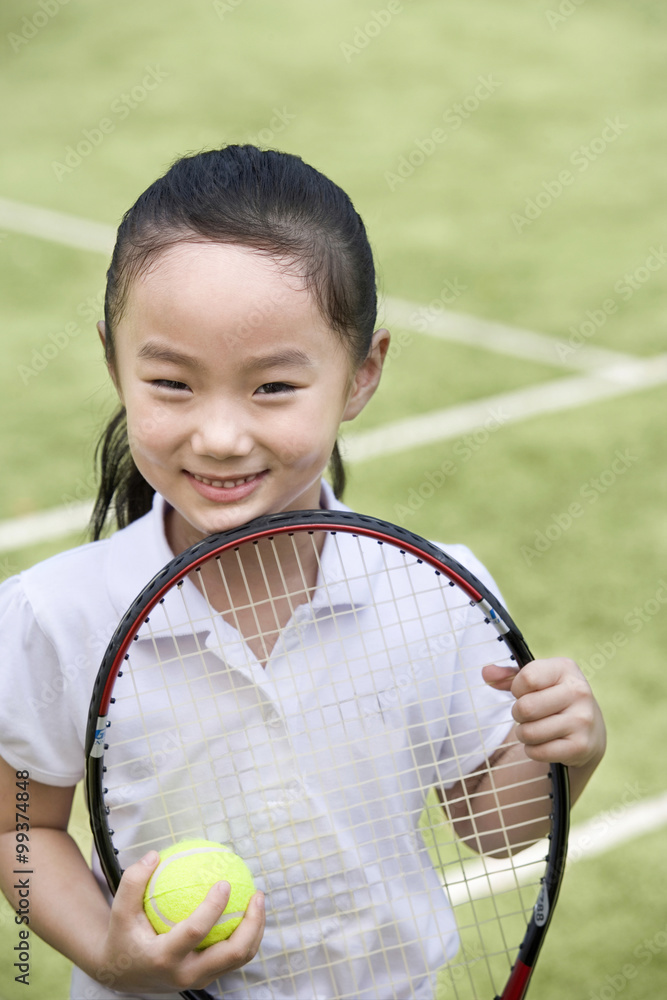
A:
(221, 433)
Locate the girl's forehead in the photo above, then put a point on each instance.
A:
(227, 294)
(189, 279)
(223, 265)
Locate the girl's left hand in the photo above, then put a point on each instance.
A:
(557, 717)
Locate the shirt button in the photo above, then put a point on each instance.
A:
(271, 717)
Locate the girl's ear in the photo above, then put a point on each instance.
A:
(367, 377)
(102, 331)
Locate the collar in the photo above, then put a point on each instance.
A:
(340, 582)
(328, 500)
(141, 550)
(137, 553)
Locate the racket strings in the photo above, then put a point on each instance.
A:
(261, 751)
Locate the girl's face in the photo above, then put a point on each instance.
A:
(234, 386)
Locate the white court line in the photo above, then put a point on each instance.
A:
(619, 374)
(427, 428)
(481, 876)
(70, 230)
(506, 408)
(44, 526)
(98, 237)
(624, 375)
(476, 332)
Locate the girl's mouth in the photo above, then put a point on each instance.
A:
(227, 484)
(229, 490)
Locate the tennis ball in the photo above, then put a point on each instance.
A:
(186, 872)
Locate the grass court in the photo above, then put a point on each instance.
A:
(508, 161)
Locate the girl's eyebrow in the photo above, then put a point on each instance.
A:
(290, 357)
(156, 352)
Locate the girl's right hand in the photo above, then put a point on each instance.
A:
(135, 958)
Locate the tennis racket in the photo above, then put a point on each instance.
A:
(307, 689)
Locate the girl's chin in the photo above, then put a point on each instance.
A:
(185, 532)
(182, 532)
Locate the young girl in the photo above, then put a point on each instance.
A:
(239, 333)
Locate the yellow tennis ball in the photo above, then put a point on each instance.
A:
(186, 872)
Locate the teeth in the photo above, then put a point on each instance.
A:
(227, 484)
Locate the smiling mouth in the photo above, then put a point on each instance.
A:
(227, 484)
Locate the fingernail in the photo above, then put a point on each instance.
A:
(223, 888)
(150, 859)
(259, 901)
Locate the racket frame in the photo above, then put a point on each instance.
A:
(327, 521)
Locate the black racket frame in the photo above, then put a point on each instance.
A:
(329, 521)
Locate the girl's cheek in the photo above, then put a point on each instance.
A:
(151, 423)
(302, 452)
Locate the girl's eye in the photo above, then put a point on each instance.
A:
(167, 383)
(272, 388)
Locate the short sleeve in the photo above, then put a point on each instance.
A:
(36, 729)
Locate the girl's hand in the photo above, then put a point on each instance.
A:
(135, 958)
(557, 717)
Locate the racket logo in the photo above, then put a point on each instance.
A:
(493, 616)
(541, 911)
(97, 749)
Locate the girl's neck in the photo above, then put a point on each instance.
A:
(257, 587)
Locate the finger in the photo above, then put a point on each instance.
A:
(541, 674)
(500, 678)
(554, 751)
(543, 731)
(187, 934)
(130, 892)
(236, 951)
(244, 943)
(540, 704)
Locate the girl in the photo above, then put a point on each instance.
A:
(239, 333)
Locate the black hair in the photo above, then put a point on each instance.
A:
(266, 200)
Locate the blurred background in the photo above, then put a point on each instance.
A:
(509, 161)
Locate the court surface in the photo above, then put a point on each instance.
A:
(508, 163)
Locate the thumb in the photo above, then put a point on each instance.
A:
(500, 678)
(130, 892)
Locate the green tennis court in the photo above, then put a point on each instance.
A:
(508, 161)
